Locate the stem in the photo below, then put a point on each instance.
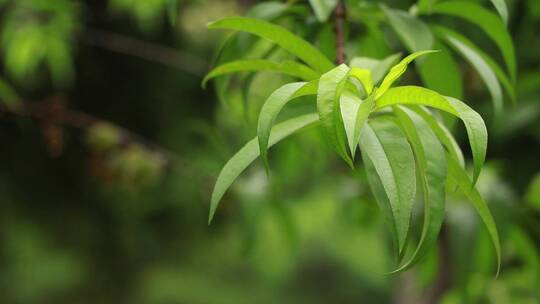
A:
(340, 13)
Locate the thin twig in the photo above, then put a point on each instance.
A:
(80, 120)
(340, 14)
(145, 50)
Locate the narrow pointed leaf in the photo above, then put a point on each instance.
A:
(386, 146)
(465, 47)
(502, 9)
(331, 85)
(379, 192)
(431, 164)
(245, 156)
(378, 68)
(398, 70)
(272, 107)
(460, 177)
(489, 22)
(280, 36)
(323, 8)
(476, 129)
(288, 67)
(355, 113)
(364, 77)
(443, 134)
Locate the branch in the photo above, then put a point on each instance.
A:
(43, 111)
(145, 50)
(340, 14)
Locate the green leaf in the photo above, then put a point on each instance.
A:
(364, 77)
(268, 10)
(279, 35)
(413, 32)
(272, 107)
(378, 68)
(288, 67)
(243, 158)
(443, 134)
(386, 146)
(323, 8)
(483, 69)
(470, 51)
(355, 113)
(8, 96)
(490, 23)
(502, 9)
(476, 129)
(431, 164)
(398, 70)
(460, 177)
(331, 85)
(440, 73)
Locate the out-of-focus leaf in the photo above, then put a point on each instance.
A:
(378, 68)
(8, 95)
(431, 161)
(241, 160)
(460, 177)
(386, 146)
(476, 129)
(471, 52)
(398, 70)
(492, 25)
(440, 72)
(413, 32)
(279, 35)
(502, 9)
(331, 85)
(323, 8)
(268, 10)
(288, 67)
(533, 193)
(273, 105)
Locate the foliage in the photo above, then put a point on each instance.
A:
(352, 110)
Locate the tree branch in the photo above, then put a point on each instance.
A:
(340, 14)
(43, 111)
(145, 50)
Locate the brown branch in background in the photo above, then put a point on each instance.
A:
(340, 14)
(43, 112)
(145, 50)
(443, 280)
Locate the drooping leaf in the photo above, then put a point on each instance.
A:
(502, 9)
(440, 72)
(413, 32)
(466, 47)
(386, 146)
(323, 8)
(245, 156)
(288, 67)
(483, 69)
(279, 35)
(431, 164)
(273, 105)
(460, 177)
(398, 70)
(378, 68)
(331, 85)
(443, 134)
(355, 113)
(489, 22)
(474, 124)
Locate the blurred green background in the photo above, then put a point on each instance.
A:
(110, 148)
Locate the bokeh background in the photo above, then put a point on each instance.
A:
(109, 149)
